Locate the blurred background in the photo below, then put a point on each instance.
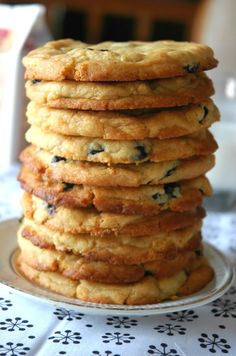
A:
(208, 21)
(119, 20)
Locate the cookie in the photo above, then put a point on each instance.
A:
(125, 125)
(132, 175)
(148, 290)
(78, 267)
(112, 61)
(190, 89)
(89, 220)
(145, 200)
(122, 249)
(109, 151)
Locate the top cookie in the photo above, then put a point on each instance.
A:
(117, 61)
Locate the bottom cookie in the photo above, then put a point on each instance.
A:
(78, 267)
(147, 291)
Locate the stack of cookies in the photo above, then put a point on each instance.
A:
(114, 177)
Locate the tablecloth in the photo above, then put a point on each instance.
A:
(29, 327)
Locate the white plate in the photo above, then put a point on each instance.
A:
(11, 278)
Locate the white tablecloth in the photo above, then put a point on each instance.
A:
(29, 327)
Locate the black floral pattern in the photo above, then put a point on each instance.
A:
(121, 322)
(162, 350)
(214, 343)
(105, 353)
(118, 338)
(170, 329)
(222, 326)
(66, 337)
(231, 291)
(224, 308)
(17, 324)
(12, 349)
(69, 315)
(184, 315)
(5, 304)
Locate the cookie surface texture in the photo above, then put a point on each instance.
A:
(148, 290)
(123, 249)
(146, 200)
(89, 220)
(78, 267)
(158, 93)
(124, 125)
(201, 143)
(124, 175)
(111, 61)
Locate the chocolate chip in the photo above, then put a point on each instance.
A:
(156, 196)
(101, 50)
(160, 198)
(95, 148)
(199, 252)
(142, 153)
(172, 190)
(51, 209)
(67, 186)
(56, 159)
(192, 68)
(206, 111)
(148, 273)
(35, 81)
(170, 172)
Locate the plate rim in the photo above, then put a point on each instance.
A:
(45, 296)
